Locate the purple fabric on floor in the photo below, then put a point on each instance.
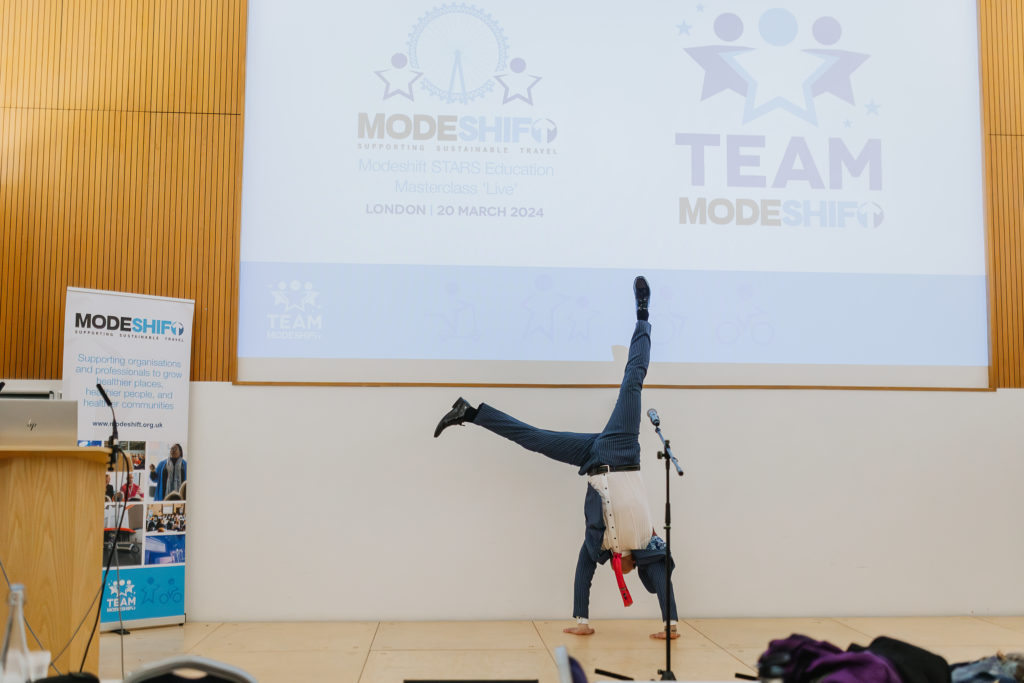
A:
(576, 669)
(853, 667)
(799, 653)
(804, 659)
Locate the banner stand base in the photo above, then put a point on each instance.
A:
(114, 626)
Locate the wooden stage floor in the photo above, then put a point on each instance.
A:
(379, 652)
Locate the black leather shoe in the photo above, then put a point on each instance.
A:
(460, 412)
(642, 292)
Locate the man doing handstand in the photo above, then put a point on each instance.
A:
(616, 512)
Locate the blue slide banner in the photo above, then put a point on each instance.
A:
(314, 310)
(143, 593)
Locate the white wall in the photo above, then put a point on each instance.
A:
(337, 504)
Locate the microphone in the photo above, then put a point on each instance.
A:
(104, 395)
(652, 413)
(113, 424)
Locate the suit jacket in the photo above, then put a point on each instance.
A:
(650, 564)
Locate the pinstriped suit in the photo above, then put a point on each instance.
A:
(617, 444)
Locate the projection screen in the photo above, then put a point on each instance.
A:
(464, 192)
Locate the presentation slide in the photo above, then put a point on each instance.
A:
(464, 192)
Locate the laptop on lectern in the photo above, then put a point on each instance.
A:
(32, 422)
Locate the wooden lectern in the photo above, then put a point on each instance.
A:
(51, 540)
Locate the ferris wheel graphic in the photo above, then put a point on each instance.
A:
(459, 48)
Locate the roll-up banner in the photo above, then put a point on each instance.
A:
(139, 349)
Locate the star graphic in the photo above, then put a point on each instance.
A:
(719, 75)
(872, 107)
(308, 298)
(774, 81)
(848, 123)
(398, 76)
(280, 297)
(580, 322)
(541, 320)
(542, 306)
(684, 28)
(514, 89)
(458, 323)
(700, 8)
(837, 79)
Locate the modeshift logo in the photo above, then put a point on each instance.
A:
(778, 71)
(296, 311)
(772, 65)
(121, 596)
(458, 54)
(125, 323)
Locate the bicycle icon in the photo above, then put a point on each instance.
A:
(753, 326)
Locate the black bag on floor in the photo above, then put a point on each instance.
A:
(914, 664)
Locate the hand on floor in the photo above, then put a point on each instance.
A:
(660, 635)
(579, 630)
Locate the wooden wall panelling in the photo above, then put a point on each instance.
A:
(47, 260)
(1005, 230)
(120, 166)
(29, 57)
(106, 54)
(996, 303)
(23, 204)
(1001, 28)
(11, 243)
(207, 244)
(1014, 265)
(223, 251)
(235, 180)
(228, 252)
(1006, 208)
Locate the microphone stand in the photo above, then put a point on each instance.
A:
(666, 674)
(667, 456)
(114, 448)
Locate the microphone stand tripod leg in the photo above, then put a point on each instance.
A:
(666, 673)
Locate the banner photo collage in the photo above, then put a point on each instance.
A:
(154, 491)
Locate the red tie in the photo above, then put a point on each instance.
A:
(627, 600)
